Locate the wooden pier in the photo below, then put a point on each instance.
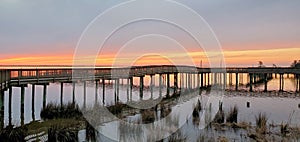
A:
(184, 78)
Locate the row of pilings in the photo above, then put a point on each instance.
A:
(181, 82)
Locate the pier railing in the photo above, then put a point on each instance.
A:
(42, 75)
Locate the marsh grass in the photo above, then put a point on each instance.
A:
(232, 115)
(261, 123)
(11, 134)
(57, 133)
(284, 128)
(148, 116)
(55, 111)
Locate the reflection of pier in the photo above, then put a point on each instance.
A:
(184, 78)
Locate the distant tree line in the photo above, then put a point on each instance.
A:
(296, 64)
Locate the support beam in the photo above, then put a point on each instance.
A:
(224, 80)
(208, 79)
(96, 91)
(168, 85)
(84, 94)
(61, 93)
(22, 104)
(9, 106)
(230, 79)
(32, 102)
(103, 91)
(160, 85)
(175, 82)
(198, 81)
(141, 86)
(236, 81)
(127, 86)
(251, 82)
(1, 109)
(130, 87)
(266, 82)
(202, 80)
(151, 85)
(118, 89)
(73, 93)
(44, 95)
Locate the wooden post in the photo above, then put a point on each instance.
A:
(186, 81)
(251, 81)
(282, 87)
(1, 108)
(32, 102)
(127, 86)
(168, 85)
(130, 88)
(202, 80)
(103, 91)
(96, 91)
(73, 97)
(141, 86)
(175, 82)
(160, 85)
(9, 105)
(266, 82)
(44, 95)
(230, 79)
(118, 88)
(236, 81)
(37, 75)
(208, 78)
(151, 85)
(297, 81)
(61, 93)
(198, 81)
(224, 80)
(22, 104)
(84, 94)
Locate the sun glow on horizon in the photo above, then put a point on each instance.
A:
(280, 57)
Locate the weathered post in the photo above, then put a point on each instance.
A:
(118, 88)
(103, 91)
(44, 95)
(84, 94)
(131, 84)
(160, 85)
(266, 82)
(32, 101)
(251, 81)
(224, 80)
(236, 81)
(208, 78)
(151, 85)
(175, 82)
(9, 105)
(202, 80)
(22, 104)
(127, 88)
(141, 86)
(74, 85)
(230, 79)
(96, 91)
(61, 93)
(1, 108)
(168, 85)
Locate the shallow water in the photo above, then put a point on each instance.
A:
(278, 109)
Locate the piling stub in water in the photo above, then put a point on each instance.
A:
(248, 104)
(298, 105)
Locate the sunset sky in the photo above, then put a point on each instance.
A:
(35, 32)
